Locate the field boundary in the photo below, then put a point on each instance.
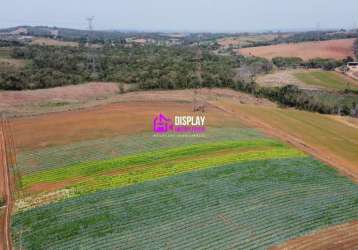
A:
(292, 140)
(6, 157)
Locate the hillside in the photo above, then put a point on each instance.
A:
(334, 49)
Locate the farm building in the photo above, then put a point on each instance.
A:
(353, 66)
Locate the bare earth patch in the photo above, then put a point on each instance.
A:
(336, 49)
(343, 237)
(52, 42)
(35, 102)
(283, 78)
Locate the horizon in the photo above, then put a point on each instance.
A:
(184, 31)
(227, 16)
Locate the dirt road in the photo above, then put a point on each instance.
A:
(5, 180)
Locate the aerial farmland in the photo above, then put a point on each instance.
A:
(219, 129)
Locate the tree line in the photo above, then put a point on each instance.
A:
(161, 67)
(315, 63)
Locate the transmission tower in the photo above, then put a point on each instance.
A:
(318, 30)
(90, 55)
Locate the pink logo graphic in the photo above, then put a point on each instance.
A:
(162, 124)
(181, 124)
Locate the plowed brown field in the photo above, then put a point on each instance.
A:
(336, 49)
(103, 121)
(342, 237)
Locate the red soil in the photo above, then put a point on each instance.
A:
(72, 92)
(336, 49)
(102, 121)
(343, 237)
(5, 182)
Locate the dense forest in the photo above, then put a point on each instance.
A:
(149, 66)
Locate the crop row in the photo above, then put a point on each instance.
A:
(150, 165)
(151, 172)
(94, 167)
(251, 205)
(107, 148)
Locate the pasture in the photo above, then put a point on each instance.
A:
(52, 42)
(327, 79)
(327, 138)
(245, 40)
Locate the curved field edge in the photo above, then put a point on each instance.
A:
(344, 236)
(326, 79)
(327, 139)
(44, 192)
(251, 205)
(96, 167)
(106, 148)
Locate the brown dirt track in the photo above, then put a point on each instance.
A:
(336, 49)
(2, 193)
(5, 180)
(340, 237)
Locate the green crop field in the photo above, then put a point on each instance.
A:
(127, 170)
(102, 149)
(327, 79)
(231, 188)
(247, 205)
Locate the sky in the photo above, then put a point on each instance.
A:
(183, 15)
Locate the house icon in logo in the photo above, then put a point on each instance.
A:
(162, 124)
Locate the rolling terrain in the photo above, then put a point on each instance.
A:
(334, 49)
(260, 177)
(330, 80)
(309, 79)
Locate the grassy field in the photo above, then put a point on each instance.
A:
(52, 42)
(246, 40)
(252, 205)
(327, 79)
(324, 134)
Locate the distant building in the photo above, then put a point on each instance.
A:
(16, 38)
(19, 31)
(352, 66)
(54, 33)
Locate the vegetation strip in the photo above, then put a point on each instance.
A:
(327, 79)
(108, 148)
(96, 167)
(132, 169)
